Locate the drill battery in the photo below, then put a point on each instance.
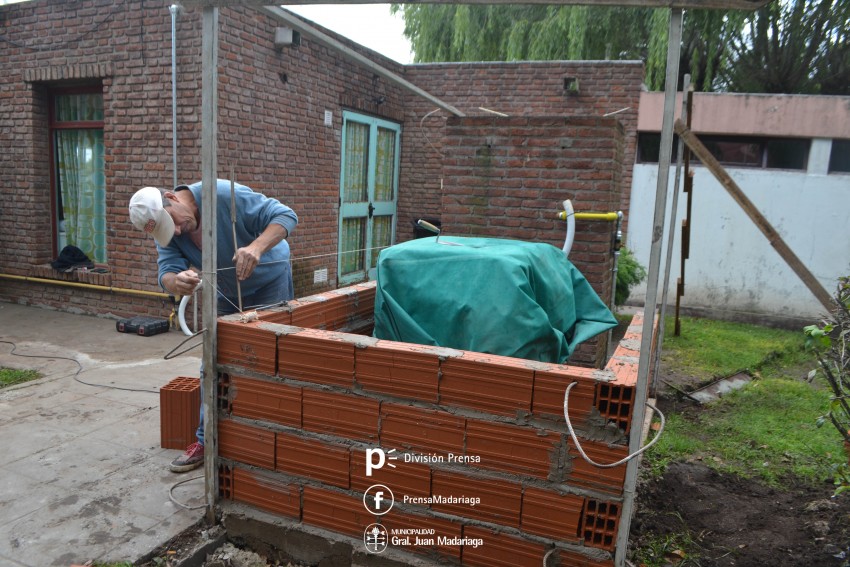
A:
(145, 326)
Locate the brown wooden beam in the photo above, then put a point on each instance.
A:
(683, 4)
(711, 163)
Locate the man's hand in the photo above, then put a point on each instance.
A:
(183, 283)
(248, 257)
(245, 260)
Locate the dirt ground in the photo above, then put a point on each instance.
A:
(737, 522)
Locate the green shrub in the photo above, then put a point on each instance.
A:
(629, 273)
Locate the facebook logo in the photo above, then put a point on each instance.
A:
(378, 499)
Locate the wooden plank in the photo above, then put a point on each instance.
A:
(755, 215)
(683, 4)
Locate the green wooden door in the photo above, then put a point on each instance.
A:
(368, 193)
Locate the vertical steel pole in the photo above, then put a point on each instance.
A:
(174, 10)
(209, 205)
(671, 236)
(674, 41)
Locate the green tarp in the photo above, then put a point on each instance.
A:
(506, 297)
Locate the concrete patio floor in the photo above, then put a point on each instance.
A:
(83, 476)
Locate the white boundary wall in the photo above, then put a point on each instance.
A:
(733, 272)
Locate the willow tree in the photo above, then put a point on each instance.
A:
(793, 46)
(713, 41)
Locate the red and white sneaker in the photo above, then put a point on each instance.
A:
(191, 459)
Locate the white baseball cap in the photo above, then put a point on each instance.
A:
(148, 214)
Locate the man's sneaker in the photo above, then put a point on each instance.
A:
(191, 459)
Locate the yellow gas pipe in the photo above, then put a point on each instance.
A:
(94, 287)
(590, 216)
(86, 286)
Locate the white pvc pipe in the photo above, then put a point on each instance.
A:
(571, 227)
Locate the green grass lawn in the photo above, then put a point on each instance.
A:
(768, 429)
(708, 348)
(11, 376)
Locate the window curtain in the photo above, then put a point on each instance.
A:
(382, 233)
(356, 163)
(353, 243)
(79, 156)
(382, 226)
(355, 190)
(385, 165)
(79, 167)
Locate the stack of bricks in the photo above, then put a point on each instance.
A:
(474, 447)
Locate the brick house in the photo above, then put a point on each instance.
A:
(95, 77)
(87, 117)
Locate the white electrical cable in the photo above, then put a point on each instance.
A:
(624, 459)
(175, 501)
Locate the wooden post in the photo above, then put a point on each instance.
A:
(762, 223)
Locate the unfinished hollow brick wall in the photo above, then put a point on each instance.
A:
(305, 391)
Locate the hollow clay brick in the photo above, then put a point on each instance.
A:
(421, 430)
(513, 449)
(265, 492)
(316, 356)
(336, 512)
(248, 345)
(265, 400)
(179, 403)
(338, 414)
(500, 500)
(399, 369)
(246, 443)
(495, 384)
(586, 475)
(500, 550)
(550, 514)
(300, 456)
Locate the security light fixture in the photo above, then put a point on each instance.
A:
(286, 37)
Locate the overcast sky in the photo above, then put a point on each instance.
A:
(371, 25)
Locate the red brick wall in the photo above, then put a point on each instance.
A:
(300, 407)
(507, 178)
(271, 131)
(518, 89)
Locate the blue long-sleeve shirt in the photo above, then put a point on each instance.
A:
(254, 213)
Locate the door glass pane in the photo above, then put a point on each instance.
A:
(382, 233)
(353, 245)
(79, 107)
(385, 165)
(356, 163)
(82, 190)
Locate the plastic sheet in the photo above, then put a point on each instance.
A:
(506, 297)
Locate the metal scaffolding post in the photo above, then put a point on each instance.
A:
(674, 41)
(209, 151)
